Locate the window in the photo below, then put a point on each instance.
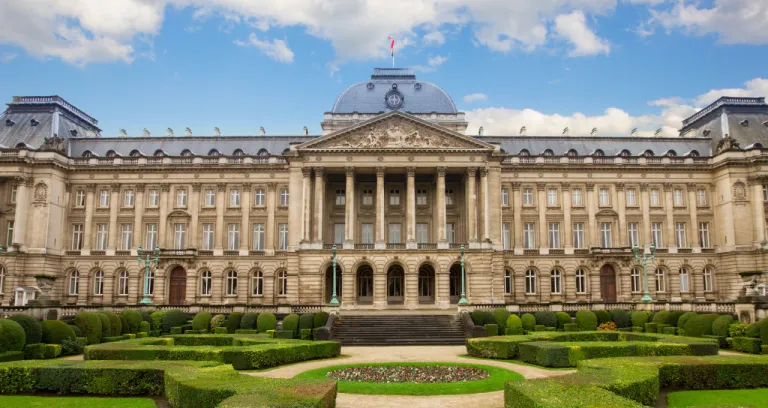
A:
(704, 234)
(2, 280)
(206, 282)
(394, 233)
(448, 196)
(765, 192)
(504, 196)
(577, 198)
(338, 233)
(506, 236)
(530, 282)
(552, 197)
(450, 232)
(149, 289)
(284, 196)
(367, 197)
(151, 241)
(234, 198)
(677, 196)
(208, 237)
(258, 237)
(231, 283)
(104, 198)
(259, 197)
(98, 283)
(179, 235)
(421, 197)
(341, 197)
(153, 198)
(631, 197)
(282, 283)
(126, 236)
(701, 198)
(555, 278)
(257, 284)
(656, 234)
(394, 196)
(128, 198)
(578, 235)
(680, 235)
(708, 279)
(635, 280)
(661, 283)
(74, 283)
(282, 237)
(181, 197)
(14, 193)
(122, 284)
(102, 231)
(605, 235)
(507, 282)
(233, 236)
(422, 233)
(655, 198)
(9, 233)
(632, 234)
(581, 281)
(79, 199)
(527, 196)
(604, 198)
(529, 235)
(554, 235)
(367, 233)
(210, 198)
(684, 278)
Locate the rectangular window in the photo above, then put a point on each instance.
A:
(181, 197)
(448, 196)
(450, 232)
(422, 233)
(14, 193)
(506, 237)
(79, 199)
(367, 197)
(284, 198)
(233, 236)
(153, 198)
(208, 234)
(631, 198)
(677, 195)
(577, 199)
(701, 197)
(704, 234)
(77, 237)
(529, 235)
(504, 196)
(128, 198)
(234, 198)
(367, 233)
(9, 234)
(179, 236)
(765, 192)
(554, 235)
(578, 235)
(259, 197)
(104, 198)
(527, 196)
(394, 233)
(656, 236)
(552, 197)
(151, 241)
(680, 235)
(605, 235)
(341, 198)
(338, 233)
(394, 196)
(421, 197)
(283, 237)
(126, 236)
(102, 230)
(655, 198)
(210, 198)
(604, 197)
(632, 234)
(258, 237)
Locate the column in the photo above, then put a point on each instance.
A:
(593, 233)
(245, 217)
(380, 228)
(218, 234)
(269, 244)
(485, 209)
(306, 204)
(693, 230)
(646, 203)
(138, 208)
(162, 224)
(194, 211)
(114, 205)
(349, 220)
(442, 242)
(22, 206)
(759, 213)
(410, 208)
(568, 227)
(471, 192)
(622, 203)
(541, 203)
(88, 226)
(517, 203)
(319, 203)
(670, 208)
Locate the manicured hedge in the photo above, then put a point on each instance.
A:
(34, 351)
(562, 319)
(246, 331)
(621, 318)
(56, 331)
(157, 320)
(513, 325)
(764, 331)
(651, 327)
(747, 345)
(529, 321)
(700, 325)
(500, 316)
(291, 323)
(674, 317)
(321, 318)
(12, 336)
(115, 324)
(603, 316)
(505, 347)
(478, 317)
(546, 318)
(586, 320)
(144, 327)
(124, 326)
(32, 327)
(11, 356)
(233, 322)
(106, 326)
(306, 321)
(266, 321)
(173, 318)
(721, 324)
(220, 330)
(78, 332)
(248, 322)
(639, 318)
(685, 317)
(90, 325)
(570, 327)
(201, 321)
(133, 318)
(492, 329)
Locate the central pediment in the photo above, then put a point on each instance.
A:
(395, 130)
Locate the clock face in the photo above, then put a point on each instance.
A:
(394, 99)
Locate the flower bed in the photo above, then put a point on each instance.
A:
(409, 374)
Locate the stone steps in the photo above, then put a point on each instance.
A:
(401, 329)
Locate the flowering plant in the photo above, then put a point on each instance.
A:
(607, 326)
(409, 374)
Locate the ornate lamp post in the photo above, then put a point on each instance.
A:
(147, 264)
(646, 297)
(334, 301)
(463, 300)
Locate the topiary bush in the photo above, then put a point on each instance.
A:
(603, 316)
(78, 332)
(90, 325)
(116, 325)
(660, 317)
(233, 321)
(586, 320)
(513, 325)
(321, 318)
(106, 325)
(124, 327)
(492, 329)
(266, 321)
(684, 318)
(478, 317)
(218, 321)
(764, 332)
(133, 318)
(500, 316)
(737, 330)
(146, 316)
(291, 323)
(639, 318)
(570, 327)
(32, 327)
(700, 325)
(157, 320)
(144, 327)
(12, 336)
(529, 322)
(488, 318)
(562, 319)
(201, 321)
(56, 331)
(621, 318)
(721, 324)
(173, 318)
(546, 318)
(674, 317)
(248, 322)
(306, 321)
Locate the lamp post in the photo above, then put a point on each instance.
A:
(147, 264)
(334, 301)
(463, 300)
(646, 297)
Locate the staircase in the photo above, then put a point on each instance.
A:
(398, 330)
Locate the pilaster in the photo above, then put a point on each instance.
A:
(349, 208)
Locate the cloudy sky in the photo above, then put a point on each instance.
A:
(242, 64)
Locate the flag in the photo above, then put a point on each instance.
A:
(391, 46)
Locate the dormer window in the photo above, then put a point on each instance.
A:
(186, 153)
(524, 152)
(263, 153)
(238, 152)
(572, 153)
(9, 122)
(548, 152)
(111, 153)
(88, 153)
(648, 153)
(135, 153)
(73, 132)
(693, 153)
(214, 152)
(33, 122)
(671, 153)
(744, 123)
(624, 153)
(159, 153)
(706, 132)
(598, 153)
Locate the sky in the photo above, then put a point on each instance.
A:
(239, 65)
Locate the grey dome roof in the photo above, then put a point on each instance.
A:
(417, 96)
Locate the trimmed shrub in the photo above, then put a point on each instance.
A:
(124, 327)
(248, 322)
(246, 331)
(721, 324)
(685, 317)
(90, 324)
(478, 317)
(306, 334)
(12, 336)
(540, 328)
(489, 318)
(266, 321)
(603, 316)
(56, 331)
(670, 330)
(674, 317)
(651, 327)
(639, 318)
(586, 320)
(51, 351)
(284, 334)
(116, 325)
(321, 318)
(11, 356)
(220, 330)
(218, 321)
(737, 330)
(721, 340)
(291, 323)
(146, 316)
(271, 334)
(157, 320)
(529, 321)
(513, 325)
(34, 351)
(625, 329)
(133, 318)
(233, 321)
(173, 318)
(571, 327)
(637, 329)
(492, 329)
(500, 316)
(106, 325)
(747, 345)
(660, 317)
(764, 331)
(144, 327)
(177, 330)
(306, 321)
(545, 318)
(562, 319)
(32, 328)
(660, 327)
(78, 332)
(621, 318)
(201, 321)
(700, 325)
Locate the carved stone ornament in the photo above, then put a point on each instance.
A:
(41, 194)
(739, 191)
(54, 143)
(393, 134)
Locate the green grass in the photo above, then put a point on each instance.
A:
(519, 362)
(495, 382)
(719, 398)
(263, 370)
(25, 401)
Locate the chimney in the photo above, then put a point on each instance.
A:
(262, 132)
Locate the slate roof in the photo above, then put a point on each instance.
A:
(610, 146)
(746, 119)
(174, 146)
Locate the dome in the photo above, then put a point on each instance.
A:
(394, 89)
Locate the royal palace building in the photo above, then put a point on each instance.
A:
(397, 190)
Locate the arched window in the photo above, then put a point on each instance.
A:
(2, 279)
(286, 150)
(635, 279)
(187, 153)
(581, 281)
(572, 153)
(111, 153)
(555, 280)
(258, 283)
(661, 282)
(159, 153)
(530, 281)
(693, 153)
(548, 152)
(238, 152)
(214, 152)
(206, 281)
(262, 153)
(598, 153)
(648, 153)
(625, 153)
(524, 152)
(671, 153)
(98, 283)
(135, 153)
(88, 153)
(684, 280)
(708, 279)
(507, 282)
(122, 284)
(150, 284)
(231, 283)
(74, 283)
(282, 283)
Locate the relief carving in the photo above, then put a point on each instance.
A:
(391, 134)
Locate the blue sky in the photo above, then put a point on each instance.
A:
(242, 64)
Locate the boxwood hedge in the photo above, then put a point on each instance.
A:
(90, 325)
(546, 318)
(32, 327)
(621, 318)
(201, 321)
(248, 322)
(56, 331)
(173, 318)
(500, 316)
(133, 318)
(12, 336)
(529, 322)
(586, 320)
(266, 321)
(321, 318)
(700, 325)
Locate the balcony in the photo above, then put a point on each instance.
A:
(231, 252)
(123, 252)
(557, 252)
(364, 246)
(611, 251)
(457, 245)
(395, 246)
(581, 251)
(256, 252)
(189, 252)
(422, 245)
(530, 251)
(205, 252)
(73, 252)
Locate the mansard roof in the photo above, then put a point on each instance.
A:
(610, 146)
(198, 145)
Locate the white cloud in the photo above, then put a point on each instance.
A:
(433, 62)
(7, 57)
(573, 27)
(732, 21)
(276, 49)
(474, 97)
(434, 38)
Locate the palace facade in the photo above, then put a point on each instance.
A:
(398, 190)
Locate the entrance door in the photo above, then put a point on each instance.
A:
(426, 284)
(178, 289)
(455, 278)
(329, 284)
(395, 285)
(365, 285)
(608, 283)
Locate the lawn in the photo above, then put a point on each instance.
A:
(495, 382)
(753, 398)
(25, 401)
(519, 362)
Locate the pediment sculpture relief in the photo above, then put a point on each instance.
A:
(393, 135)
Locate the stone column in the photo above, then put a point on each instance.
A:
(593, 234)
(349, 221)
(306, 207)
(622, 203)
(646, 202)
(138, 228)
(442, 242)
(269, 244)
(162, 224)
(22, 206)
(568, 227)
(410, 208)
(219, 228)
(194, 211)
(319, 203)
(485, 206)
(517, 203)
(245, 218)
(758, 211)
(670, 208)
(88, 226)
(114, 205)
(541, 202)
(693, 207)
(471, 185)
(380, 228)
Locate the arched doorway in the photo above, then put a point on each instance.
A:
(329, 283)
(455, 283)
(365, 285)
(426, 284)
(608, 283)
(178, 286)
(395, 285)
